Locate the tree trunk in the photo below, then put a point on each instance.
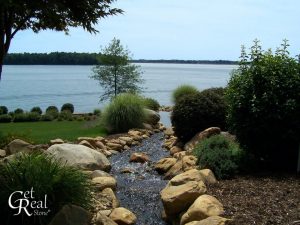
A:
(2, 40)
(298, 166)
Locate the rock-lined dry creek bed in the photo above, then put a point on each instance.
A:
(139, 187)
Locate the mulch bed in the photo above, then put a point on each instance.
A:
(260, 199)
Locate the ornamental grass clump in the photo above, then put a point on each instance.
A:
(152, 104)
(182, 91)
(123, 113)
(45, 176)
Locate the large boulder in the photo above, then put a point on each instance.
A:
(212, 220)
(19, 145)
(176, 199)
(208, 175)
(204, 206)
(190, 145)
(71, 215)
(152, 117)
(80, 156)
(164, 164)
(105, 200)
(190, 175)
(189, 162)
(174, 170)
(123, 216)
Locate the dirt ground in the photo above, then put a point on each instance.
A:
(260, 200)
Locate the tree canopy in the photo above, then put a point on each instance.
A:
(115, 73)
(58, 15)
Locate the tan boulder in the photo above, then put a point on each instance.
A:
(104, 182)
(174, 170)
(176, 199)
(128, 140)
(114, 146)
(102, 219)
(147, 126)
(139, 157)
(100, 145)
(190, 175)
(56, 141)
(212, 220)
(208, 175)
(189, 146)
(105, 200)
(134, 133)
(87, 144)
(19, 145)
(203, 207)
(99, 173)
(189, 162)
(175, 149)
(169, 131)
(123, 216)
(164, 164)
(179, 155)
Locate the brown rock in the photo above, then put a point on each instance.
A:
(134, 133)
(102, 219)
(114, 146)
(212, 220)
(100, 173)
(147, 126)
(189, 162)
(2, 153)
(190, 175)
(139, 157)
(18, 145)
(164, 164)
(100, 145)
(174, 170)
(189, 146)
(208, 175)
(175, 149)
(127, 170)
(176, 199)
(86, 143)
(128, 140)
(123, 216)
(169, 131)
(104, 182)
(204, 206)
(179, 155)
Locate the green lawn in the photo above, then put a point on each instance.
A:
(42, 132)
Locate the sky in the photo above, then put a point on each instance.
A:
(177, 29)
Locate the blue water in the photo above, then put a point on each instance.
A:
(28, 86)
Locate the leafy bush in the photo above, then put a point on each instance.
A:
(53, 111)
(5, 118)
(264, 105)
(61, 183)
(123, 113)
(47, 117)
(65, 115)
(197, 112)
(18, 111)
(27, 117)
(97, 112)
(67, 107)
(219, 154)
(216, 90)
(37, 110)
(3, 110)
(151, 103)
(182, 91)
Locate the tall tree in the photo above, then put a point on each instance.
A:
(114, 72)
(59, 15)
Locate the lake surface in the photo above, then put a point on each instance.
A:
(28, 86)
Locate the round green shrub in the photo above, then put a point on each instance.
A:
(195, 113)
(182, 91)
(53, 111)
(18, 111)
(37, 110)
(123, 113)
(152, 104)
(3, 110)
(219, 154)
(46, 117)
(263, 98)
(217, 90)
(67, 107)
(65, 115)
(46, 176)
(5, 118)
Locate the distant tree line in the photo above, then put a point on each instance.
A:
(74, 58)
